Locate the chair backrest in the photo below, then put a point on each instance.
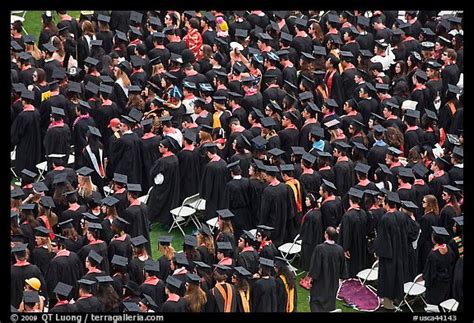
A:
(294, 242)
(418, 278)
(190, 199)
(375, 264)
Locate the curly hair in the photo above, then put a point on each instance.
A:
(394, 137)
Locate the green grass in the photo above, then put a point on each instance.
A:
(33, 23)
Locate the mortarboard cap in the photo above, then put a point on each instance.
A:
(427, 32)
(84, 104)
(276, 152)
(47, 202)
(287, 168)
(41, 231)
(332, 123)
(268, 122)
(131, 307)
(360, 146)
(318, 132)
(29, 95)
(458, 152)
(298, 151)
(17, 192)
(354, 192)
(96, 42)
(85, 171)
(310, 158)
(121, 35)
(109, 201)
(119, 261)
(136, 16)
(333, 19)
(225, 213)
(27, 206)
(86, 282)
(103, 18)
(95, 257)
(151, 265)
(307, 95)
(193, 278)
(138, 241)
(205, 230)
(319, 50)
(427, 45)
(455, 20)
(412, 113)
(30, 297)
(104, 88)
(236, 163)
(420, 170)
(28, 173)
(173, 281)
(19, 247)
(342, 146)
(16, 47)
(181, 259)
(329, 185)
(454, 89)
(242, 272)
(440, 231)
(323, 154)
(459, 220)
(409, 205)
(363, 21)
(393, 151)
(135, 188)
(259, 142)
(405, 172)
(190, 135)
(393, 197)
(266, 262)
(95, 131)
(363, 168)
(135, 114)
(243, 33)
(104, 279)
(301, 22)
(378, 128)
(62, 289)
(223, 245)
(202, 265)
(91, 61)
(94, 226)
(307, 57)
(451, 189)
(67, 223)
(366, 53)
(190, 240)
(49, 48)
(286, 37)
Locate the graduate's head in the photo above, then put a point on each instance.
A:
(326, 189)
(247, 239)
(264, 232)
(211, 149)
(311, 200)
(220, 273)
(330, 234)
(266, 267)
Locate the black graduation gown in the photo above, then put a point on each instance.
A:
(101, 249)
(206, 255)
(446, 218)
(352, 237)
(304, 135)
(376, 155)
(436, 186)
(122, 204)
(289, 137)
(413, 231)
(407, 194)
(256, 188)
(344, 172)
(328, 265)
(127, 156)
(165, 196)
(331, 212)
(58, 141)
(348, 83)
(269, 251)
(438, 275)
(25, 135)
(458, 283)
(89, 305)
(212, 187)
(249, 260)
(311, 235)
(424, 241)
(310, 183)
(274, 93)
(63, 308)
(121, 247)
(263, 295)
(165, 269)
(79, 131)
(189, 173)
(41, 257)
(150, 153)
(135, 270)
(18, 274)
(282, 296)
(174, 307)
(70, 176)
(388, 247)
(244, 162)
(413, 138)
(237, 194)
(456, 174)
(154, 289)
(137, 216)
(252, 101)
(278, 211)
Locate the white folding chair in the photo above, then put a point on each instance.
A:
(369, 275)
(70, 159)
(144, 198)
(18, 15)
(414, 290)
(449, 305)
(107, 191)
(290, 250)
(212, 223)
(12, 158)
(42, 168)
(184, 213)
(253, 231)
(198, 205)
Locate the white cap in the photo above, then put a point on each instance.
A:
(234, 45)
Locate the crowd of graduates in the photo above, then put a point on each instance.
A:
(341, 129)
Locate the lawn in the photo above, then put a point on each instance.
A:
(33, 23)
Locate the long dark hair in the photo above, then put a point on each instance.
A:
(108, 296)
(285, 271)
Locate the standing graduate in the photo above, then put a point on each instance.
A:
(277, 207)
(285, 287)
(189, 166)
(237, 193)
(328, 266)
(153, 286)
(93, 157)
(213, 182)
(25, 135)
(42, 254)
(139, 258)
(167, 251)
(174, 303)
(164, 195)
(266, 248)
(223, 296)
(353, 233)
(20, 271)
(126, 154)
(331, 205)
(263, 294)
(311, 233)
(150, 150)
(343, 169)
(248, 256)
(58, 136)
(120, 244)
(137, 215)
(63, 295)
(99, 246)
(80, 127)
(389, 248)
(87, 302)
(438, 271)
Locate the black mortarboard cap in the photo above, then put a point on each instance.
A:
(363, 168)
(16, 192)
(420, 170)
(27, 206)
(26, 94)
(451, 189)
(393, 151)
(84, 104)
(305, 96)
(225, 213)
(393, 197)
(307, 57)
(202, 265)
(49, 48)
(454, 89)
(458, 152)
(28, 173)
(366, 53)
(360, 146)
(135, 114)
(412, 113)
(62, 289)
(310, 158)
(173, 281)
(235, 163)
(119, 261)
(136, 16)
(67, 223)
(138, 241)
(355, 193)
(319, 50)
(259, 142)
(104, 88)
(243, 33)
(96, 42)
(266, 262)
(95, 257)
(210, 17)
(121, 35)
(343, 146)
(19, 247)
(30, 297)
(86, 282)
(109, 201)
(405, 172)
(91, 61)
(223, 245)
(301, 22)
(440, 231)
(459, 220)
(47, 202)
(181, 259)
(190, 240)
(74, 87)
(193, 278)
(242, 272)
(318, 131)
(151, 265)
(95, 131)
(103, 18)
(385, 169)
(85, 171)
(205, 230)
(287, 167)
(286, 37)
(329, 184)
(298, 151)
(222, 269)
(331, 124)
(104, 279)
(324, 154)
(137, 61)
(41, 231)
(409, 205)
(131, 307)
(268, 122)
(363, 21)
(378, 128)
(276, 152)
(94, 226)
(16, 47)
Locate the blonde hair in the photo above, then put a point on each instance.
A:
(431, 204)
(124, 77)
(195, 298)
(209, 242)
(46, 241)
(33, 50)
(226, 226)
(88, 28)
(167, 251)
(85, 186)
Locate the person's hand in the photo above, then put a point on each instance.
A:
(347, 254)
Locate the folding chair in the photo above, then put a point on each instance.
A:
(449, 305)
(18, 15)
(369, 275)
(144, 198)
(42, 168)
(212, 223)
(414, 289)
(12, 158)
(290, 250)
(107, 191)
(183, 213)
(198, 205)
